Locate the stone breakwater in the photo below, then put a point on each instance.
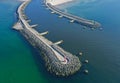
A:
(73, 18)
(57, 60)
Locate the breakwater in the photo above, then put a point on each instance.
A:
(57, 60)
(73, 18)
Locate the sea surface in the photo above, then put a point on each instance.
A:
(22, 63)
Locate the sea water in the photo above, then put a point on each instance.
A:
(17, 60)
(21, 63)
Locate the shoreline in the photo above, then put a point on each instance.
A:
(63, 6)
(22, 0)
(59, 2)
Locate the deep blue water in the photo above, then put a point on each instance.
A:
(101, 48)
(20, 63)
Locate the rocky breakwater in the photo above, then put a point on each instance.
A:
(57, 60)
(73, 18)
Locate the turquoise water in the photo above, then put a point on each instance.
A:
(17, 60)
(21, 63)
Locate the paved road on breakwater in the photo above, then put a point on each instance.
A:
(57, 60)
(27, 26)
(82, 21)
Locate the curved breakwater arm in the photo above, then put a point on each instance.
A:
(57, 60)
(73, 18)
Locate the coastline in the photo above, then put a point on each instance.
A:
(67, 4)
(23, 0)
(59, 2)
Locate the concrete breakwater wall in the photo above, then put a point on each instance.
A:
(53, 54)
(73, 18)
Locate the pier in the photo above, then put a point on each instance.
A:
(57, 60)
(73, 18)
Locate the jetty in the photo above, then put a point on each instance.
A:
(73, 18)
(57, 60)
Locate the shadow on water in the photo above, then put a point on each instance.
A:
(40, 63)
